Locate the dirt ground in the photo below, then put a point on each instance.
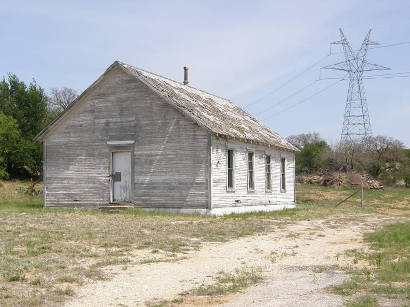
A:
(298, 263)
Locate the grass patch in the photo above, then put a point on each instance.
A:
(224, 283)
(389, 270)
(392, 252)
(41, 250)
(64, 292)
(363, 301)
(229, 283)
(347, 288)
(67, 279)
(389, 201)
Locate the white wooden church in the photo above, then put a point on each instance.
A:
(143, 140)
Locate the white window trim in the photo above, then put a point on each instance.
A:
(228, 189)
(120, 143)
(253, 171)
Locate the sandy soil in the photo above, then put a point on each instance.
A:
(298, 262)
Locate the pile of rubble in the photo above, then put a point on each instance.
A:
(341, 179)
(372, 183)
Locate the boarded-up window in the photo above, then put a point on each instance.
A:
(268, 181)
(230, 170)
(282, 175)
(251, 179)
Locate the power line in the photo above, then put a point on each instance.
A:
(305, 99)
(392, 45)
(260, 99)
(378, 47)
(382, 76)
(388, 75)
(331, 85)
(286, 83)
(287, 97)
(320, 79)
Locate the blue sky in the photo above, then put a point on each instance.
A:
(242, 50)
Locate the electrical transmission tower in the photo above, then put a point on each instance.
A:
(356, 123)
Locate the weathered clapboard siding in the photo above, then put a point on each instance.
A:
(241, 196)
(178, 137)
(170, 154)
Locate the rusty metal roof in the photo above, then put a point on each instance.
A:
(217, 114)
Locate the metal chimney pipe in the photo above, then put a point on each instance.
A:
(185, 75)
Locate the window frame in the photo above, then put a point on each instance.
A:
(282, 174)
(251, 174)
(268, 173)
(228, 188)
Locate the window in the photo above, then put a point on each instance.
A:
(251, 181)
(282, 175)
(268, 182)
(230, 170)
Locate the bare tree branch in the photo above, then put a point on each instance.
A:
(62, 98)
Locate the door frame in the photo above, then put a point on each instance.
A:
(120, 146)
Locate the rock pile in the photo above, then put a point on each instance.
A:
(340, 179)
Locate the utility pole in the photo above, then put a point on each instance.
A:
(356, 122)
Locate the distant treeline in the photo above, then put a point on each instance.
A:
(382, 157)
(25, 109)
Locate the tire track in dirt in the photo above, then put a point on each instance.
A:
(291, 259)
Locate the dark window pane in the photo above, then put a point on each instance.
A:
(267, 173)
(230, 169)
(230, 178)
(230, 159)
(283, 177)
(251, 184)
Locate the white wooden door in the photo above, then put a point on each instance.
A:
(121, 176)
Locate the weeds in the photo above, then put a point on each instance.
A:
(390, 200)
(229, 283)
(67, 279)
(347, 288)
(363, 301)
(224, 283)
(46, 249)
(390, 266)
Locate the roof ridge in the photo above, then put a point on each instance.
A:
(230, 120)
(166, 78)
(218, 114)
(180, 83)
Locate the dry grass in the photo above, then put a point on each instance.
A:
(393, 201)
(13, 191)
(224, 284)
(44, 252)
(387, 274)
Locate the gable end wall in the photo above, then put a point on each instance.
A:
(170, 154)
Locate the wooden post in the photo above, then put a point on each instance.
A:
(361, 194)
(30, 190)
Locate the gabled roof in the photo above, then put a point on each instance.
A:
(218, 115)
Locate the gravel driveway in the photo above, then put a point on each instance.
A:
(298, 261)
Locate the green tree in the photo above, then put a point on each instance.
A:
(386, 158)
(310, 158)
(407, 171)
(9, 143)
(27, 106)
